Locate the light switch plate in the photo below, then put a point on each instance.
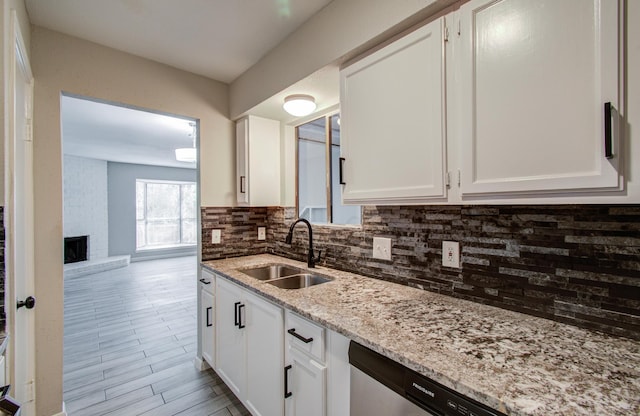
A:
(451, 254)
(262, 233)
(216, 236)
(381, 248)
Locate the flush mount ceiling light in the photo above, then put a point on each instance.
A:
(188, 154)
(299, 105)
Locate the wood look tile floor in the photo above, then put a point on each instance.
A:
(130, 341)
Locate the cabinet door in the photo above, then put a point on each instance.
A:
(230, 336)
(207, 328)
(306, 382)
(393, 122)
(265, 357)
(534, 82)
(242, 161)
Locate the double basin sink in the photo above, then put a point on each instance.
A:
(285, 276)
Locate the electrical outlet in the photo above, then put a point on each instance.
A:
(216, 235)
(381, 248)
(262, 233)
(451, 254)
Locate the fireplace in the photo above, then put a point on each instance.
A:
(76, 249)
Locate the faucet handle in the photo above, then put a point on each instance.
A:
(317, 259)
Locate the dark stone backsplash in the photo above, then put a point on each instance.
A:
(578, 264)
(239, 230)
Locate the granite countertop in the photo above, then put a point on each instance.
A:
(515, 363)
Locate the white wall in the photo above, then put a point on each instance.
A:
(64, 63)
(85, 203)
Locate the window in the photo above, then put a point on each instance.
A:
(165, 214)
(319, 189)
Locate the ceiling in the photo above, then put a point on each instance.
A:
(103, 131)
(219, 39)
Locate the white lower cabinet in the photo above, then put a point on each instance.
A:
(208, 331)
(265, 345)
(306, 382)
(250, 348)
(275, 364)
(230, 337)
(207, 317)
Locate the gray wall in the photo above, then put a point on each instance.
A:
(122, 207)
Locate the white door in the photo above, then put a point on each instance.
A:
(306, 382)
(19, 225)
(206, 328)
(242, 162)
(265, 357)
(230, 329)
(393, 121)
(535, 80)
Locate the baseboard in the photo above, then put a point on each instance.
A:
(64, 411)
(201, 364)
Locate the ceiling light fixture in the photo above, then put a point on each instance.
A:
(299, 105)
(188, 154)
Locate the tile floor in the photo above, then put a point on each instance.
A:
(130, 341)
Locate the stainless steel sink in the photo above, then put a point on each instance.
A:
(299, 281)
(272, 271)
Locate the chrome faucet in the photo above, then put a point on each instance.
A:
(311, 260)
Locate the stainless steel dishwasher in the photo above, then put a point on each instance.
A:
(383, 387)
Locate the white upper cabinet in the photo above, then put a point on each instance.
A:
(534, 80)
(393, 121)
(258, 161)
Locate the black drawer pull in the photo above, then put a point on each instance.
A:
(341, 166)
(242, 180)
(204, 281)
(293, 332)
(235, 314)
(287, 393)
(208, 316)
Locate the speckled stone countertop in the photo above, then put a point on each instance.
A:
(515, 363)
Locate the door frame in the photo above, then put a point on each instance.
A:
(18, 58)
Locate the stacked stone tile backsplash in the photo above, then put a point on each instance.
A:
(238, 229)
(578, 264)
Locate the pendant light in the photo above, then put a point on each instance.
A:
(299, 105)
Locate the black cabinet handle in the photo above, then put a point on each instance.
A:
(242, 180)
(204, 281)
(342, 182)
(287, 393)
(293, 332)
(608, 139)
(208, 315)
(235, 314)
(240, 324)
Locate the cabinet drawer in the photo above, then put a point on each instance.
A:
(305, 335)
(207, 281)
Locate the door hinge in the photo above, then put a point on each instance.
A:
(30, 391)
(28, 134)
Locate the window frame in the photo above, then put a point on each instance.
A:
(328, 117)
(180, 218)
